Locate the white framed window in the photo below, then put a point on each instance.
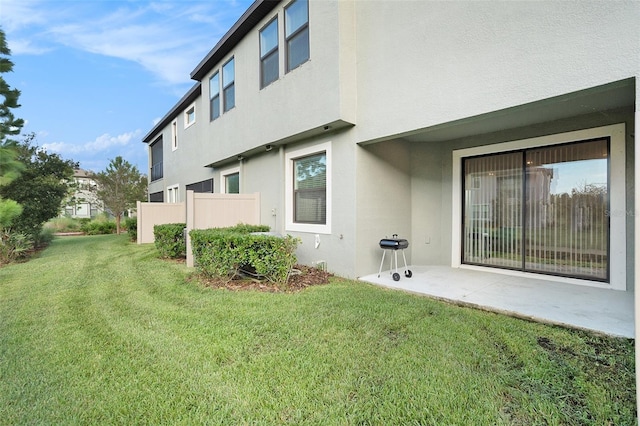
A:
(190, 115)
(308, 189)
(214, 96)
(544, 221)
(228, 85)
(296, 32)
(230, 181)
(173, 194)
(269, 57)
(174, 135)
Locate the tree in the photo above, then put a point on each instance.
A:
(119, 187)
(40, 188)
(9, 125)
(10, 167)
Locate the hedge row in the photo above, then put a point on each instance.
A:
(223, 252)
(169, 240)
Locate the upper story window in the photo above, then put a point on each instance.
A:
(174, 135)
(156, 159)
(269, 57)
(296, 31)
(228, 85)
(214, 96)
(189, 115)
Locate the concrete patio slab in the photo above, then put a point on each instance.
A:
(601, 310)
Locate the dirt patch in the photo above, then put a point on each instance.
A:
(303, 277)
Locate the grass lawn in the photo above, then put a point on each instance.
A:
(97, 330)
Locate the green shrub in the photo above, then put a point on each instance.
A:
(131, 225)
(99, 227)
(44, 237)
(169, 240)
(223, 252)
(14, 246)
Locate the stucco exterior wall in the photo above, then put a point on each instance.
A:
(384, 203)
(445, 61)
(305, 98)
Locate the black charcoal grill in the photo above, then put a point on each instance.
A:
(394, 244)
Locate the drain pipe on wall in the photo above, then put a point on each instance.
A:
(278, 211)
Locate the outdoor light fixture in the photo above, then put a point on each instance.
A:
(268, 148)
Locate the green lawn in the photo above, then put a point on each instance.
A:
(99, 331)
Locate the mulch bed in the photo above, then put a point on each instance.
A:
(308, 276)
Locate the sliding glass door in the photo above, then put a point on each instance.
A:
(539, 210)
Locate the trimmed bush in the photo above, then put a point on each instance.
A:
(222, 253)
(131, 225)
(169, 240)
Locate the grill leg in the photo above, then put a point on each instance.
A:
(380, 270)
(395, 252)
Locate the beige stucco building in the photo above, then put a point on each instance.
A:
(491, 135)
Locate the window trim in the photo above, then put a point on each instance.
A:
(223, 178)
(617, 200)
(273, 51)
(290, 157)
(187, 113)
(175, 189)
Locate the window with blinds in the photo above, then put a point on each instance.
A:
(310, 189)
(539, 210)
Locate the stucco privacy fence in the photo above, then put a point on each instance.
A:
(199, 211)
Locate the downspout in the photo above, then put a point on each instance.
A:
(279, 214)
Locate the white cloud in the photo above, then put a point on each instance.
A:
(166, 38)
(102, 143)
(25, 47)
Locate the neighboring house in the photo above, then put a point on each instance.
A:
(83, 203)
(488, 134)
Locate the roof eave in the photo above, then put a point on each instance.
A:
(249, 19)
(184, 102)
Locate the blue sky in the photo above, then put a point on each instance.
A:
(96, 75)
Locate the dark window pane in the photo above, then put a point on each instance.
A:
(156, 160)
(269, 69)
(202, 186)
(298, 49)
(229, 97)
(232, 183)
(215, 108)
(156, 197)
